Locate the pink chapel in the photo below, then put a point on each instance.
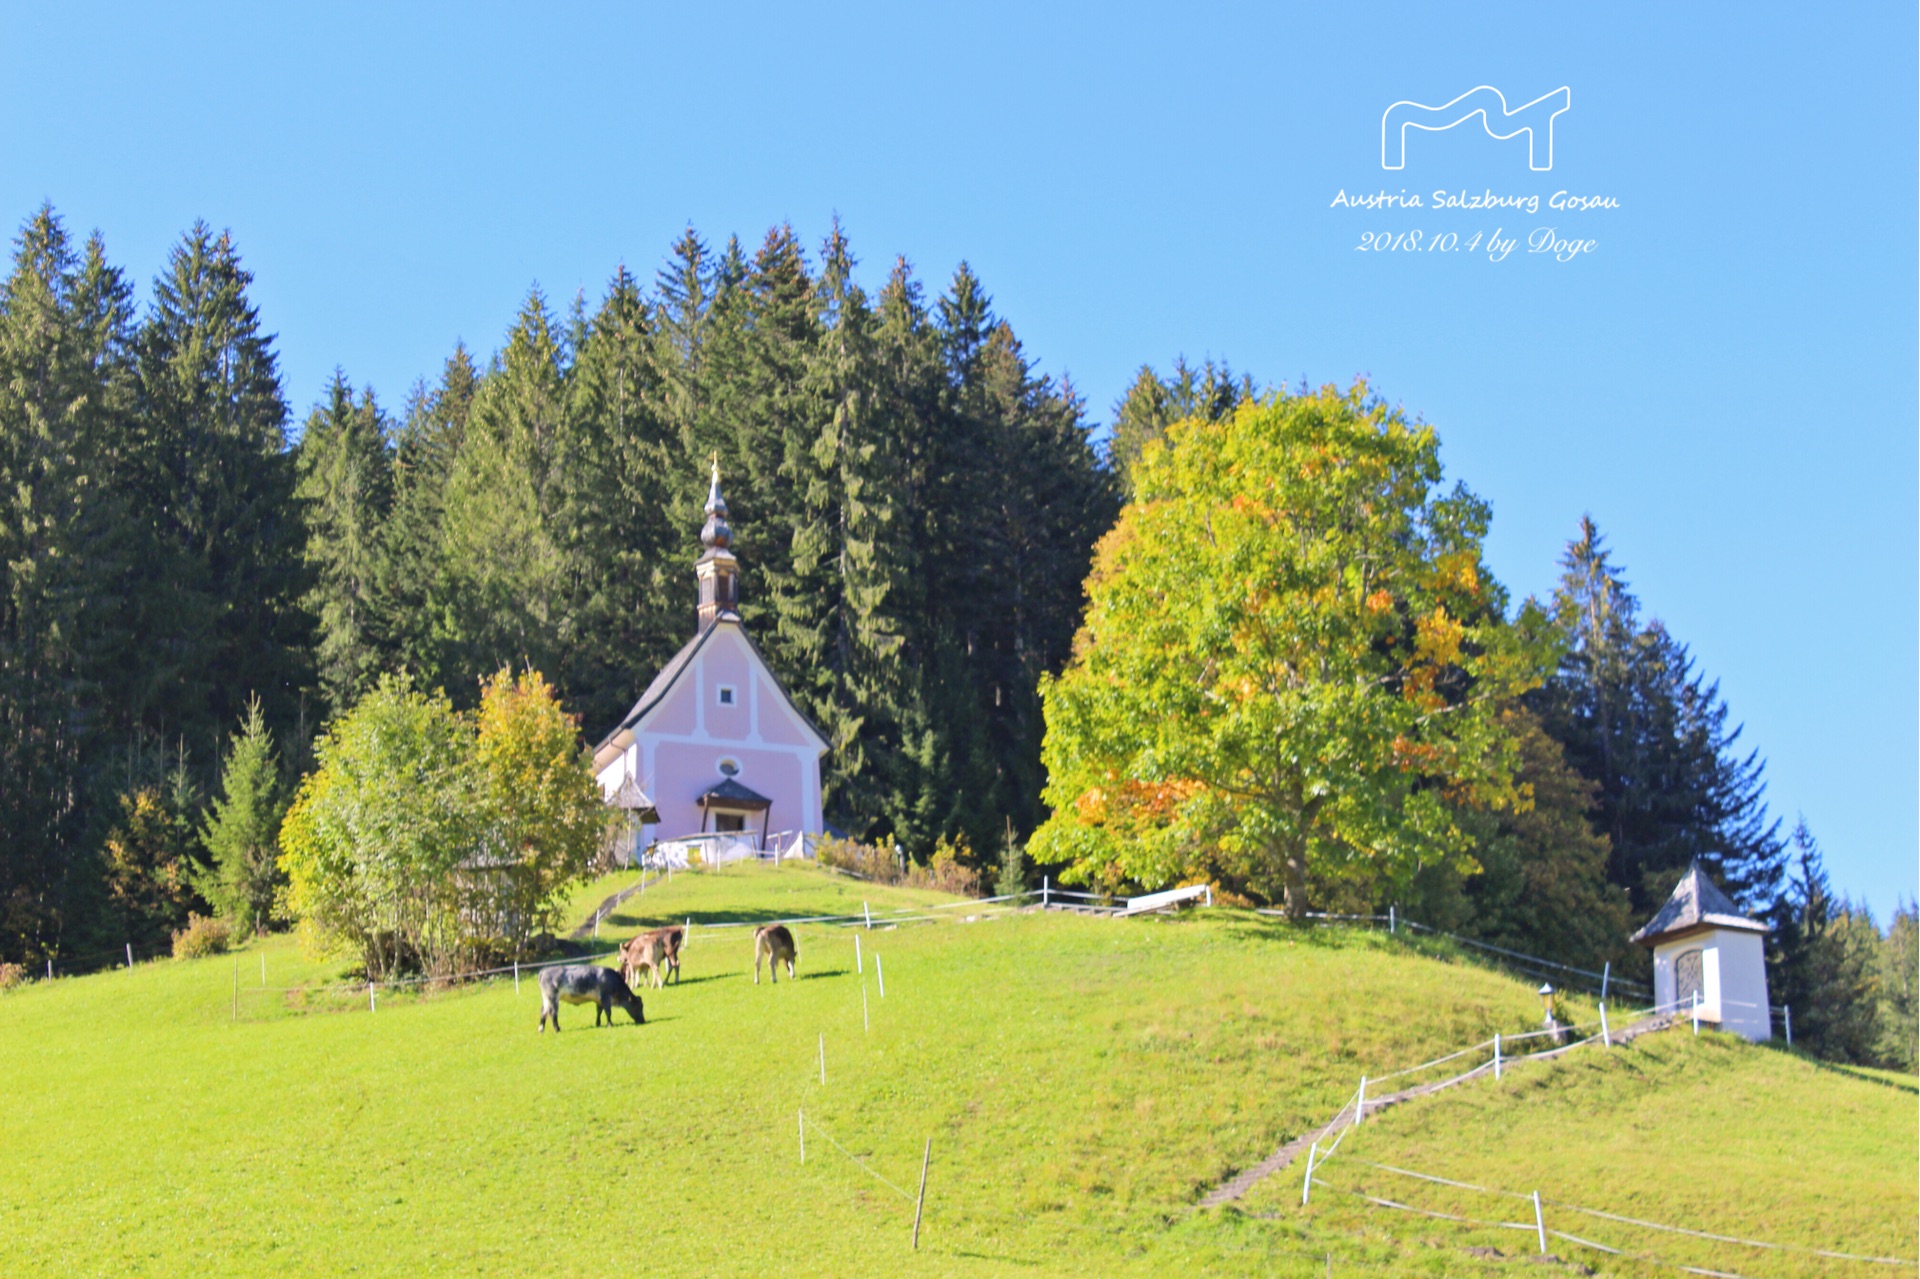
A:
(715, 757)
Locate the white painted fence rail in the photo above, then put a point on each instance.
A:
(1155, 901)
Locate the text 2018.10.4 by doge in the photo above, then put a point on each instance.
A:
(1546, 241)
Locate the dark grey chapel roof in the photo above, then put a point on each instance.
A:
(1697, 903)
(664, 681)
(729, 791)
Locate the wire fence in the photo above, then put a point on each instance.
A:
(1357, 1105)
(1538, 1225)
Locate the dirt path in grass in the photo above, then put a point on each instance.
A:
(605, 908)
(1247, 1178)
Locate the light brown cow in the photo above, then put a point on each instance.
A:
(658, 952)
(775, 944)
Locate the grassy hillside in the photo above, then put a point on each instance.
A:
(1083, 1081)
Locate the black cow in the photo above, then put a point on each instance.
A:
(604, 988)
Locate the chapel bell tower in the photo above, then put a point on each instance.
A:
(718, 571)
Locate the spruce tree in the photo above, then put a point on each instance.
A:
(346, 487)
(850, 558)
(505, 566)
(1636, 717)
(214, 481)
(1151, 404)
(68, 553)
(1821, 966)
(615, 472)
(416, 618)
(242, 830)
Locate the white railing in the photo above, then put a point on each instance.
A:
(1172, 896)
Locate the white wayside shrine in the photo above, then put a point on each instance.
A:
(1704, 948)
(715, 758)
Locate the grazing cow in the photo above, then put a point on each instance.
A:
(775, 944)
(586, 984)
(658, 952)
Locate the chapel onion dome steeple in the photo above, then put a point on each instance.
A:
(717, 532)
(717, 570)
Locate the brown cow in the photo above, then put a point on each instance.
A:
(775, 944)
(658, 952)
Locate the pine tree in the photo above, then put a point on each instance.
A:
(1899, 1046)
(505, 566)
(1636, 717)
(416, 618)
(241, 832)
(346, 485)
(67, 554)
(1543, 886)
(615, 469)
(1820, 965)
(214, 482)
(849, 553)
(1151, 404)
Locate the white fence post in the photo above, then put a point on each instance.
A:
(1392, 921)
(129, 954)
(1046, 886)
(868, 912)
(1606, 1036)
(1496, 1056)
(1360, 1103)
(1785, 1008)
(856, 954)
(1313, 1152)
(1539, 1222)
(880, 972)
(371, 1006)
(1606, 973)
(1696, 1012)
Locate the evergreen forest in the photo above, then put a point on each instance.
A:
(198, 579)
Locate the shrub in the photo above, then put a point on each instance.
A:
(883, 863)
(201, 937)
(12, 975)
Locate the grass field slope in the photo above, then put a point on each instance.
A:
(1084, 1081)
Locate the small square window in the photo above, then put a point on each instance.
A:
(726, 694)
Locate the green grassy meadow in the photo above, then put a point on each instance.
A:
(1083, 1081)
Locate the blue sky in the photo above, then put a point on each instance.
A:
(1726, 381)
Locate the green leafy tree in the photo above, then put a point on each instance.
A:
(242, 831)
(151, 859)
(1543, 886)
(541, 815)
(373, 843)
(1900, 992)
(346, 486)
(1292, 664)
(1153, 403)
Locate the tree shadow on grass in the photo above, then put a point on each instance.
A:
(709, 918)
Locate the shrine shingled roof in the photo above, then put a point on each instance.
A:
(1697, 902)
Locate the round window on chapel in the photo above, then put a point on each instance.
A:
(729, 768)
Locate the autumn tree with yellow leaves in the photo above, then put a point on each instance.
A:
(1293, 661)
